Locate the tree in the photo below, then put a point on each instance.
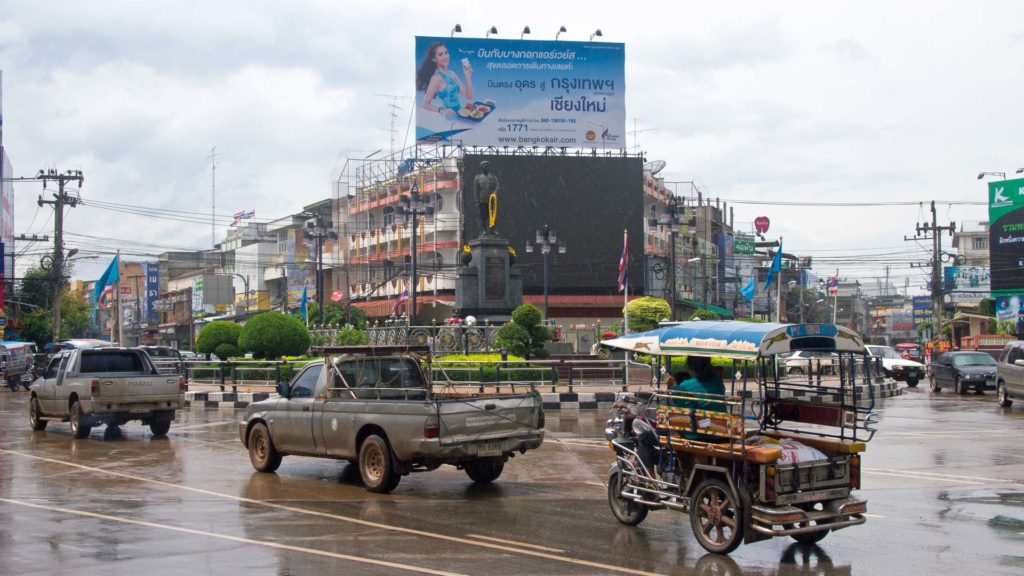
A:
(271, 335)
(350, 336)
(645, 313)
(216, 333)
(705, 315)
(336, 314)
(524, 336)
(37, 288)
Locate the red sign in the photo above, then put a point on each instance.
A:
(761, 224)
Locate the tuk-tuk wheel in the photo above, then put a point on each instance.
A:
(625, 510)
(715, 517)
(809, 537)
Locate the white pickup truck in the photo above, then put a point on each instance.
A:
(379, 406)
(111, 386)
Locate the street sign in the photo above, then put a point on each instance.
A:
(3, 321)
(743, 247)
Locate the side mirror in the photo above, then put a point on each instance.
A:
(1018, 362)
(282, 389)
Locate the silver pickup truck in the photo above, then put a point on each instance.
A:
(112, 386)
(377, 406)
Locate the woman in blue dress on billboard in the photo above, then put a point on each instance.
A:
(437, 81)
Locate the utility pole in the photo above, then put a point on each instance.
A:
(55, 263)
(213, 210)
(921, 232)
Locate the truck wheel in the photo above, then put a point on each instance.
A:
(715, 517)
(262, 454)
(160, 427)
(484, 470)
(1002, 396)
(377, 466)
(78, 430)
(795, 371)
(912, 382)
(627, 511)
(35, 415)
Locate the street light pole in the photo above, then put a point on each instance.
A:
(413, 206)
(545, 240)
(316, 230)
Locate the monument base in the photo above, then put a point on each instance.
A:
(489, 287)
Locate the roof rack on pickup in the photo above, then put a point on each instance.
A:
(372, 350)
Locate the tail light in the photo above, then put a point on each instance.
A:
(855, 472)
(181, 384)
(432, 428)
(769, 483)
(94, 387)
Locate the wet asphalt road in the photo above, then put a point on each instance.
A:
(944, 480)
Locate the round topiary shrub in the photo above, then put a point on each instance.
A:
(271, 335)
(225, 351)
(526, 315)
(216, 333)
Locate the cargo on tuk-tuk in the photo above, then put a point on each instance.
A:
(774, 455)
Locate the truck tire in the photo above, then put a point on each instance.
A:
(160, 427)
(262, 454)
(625, 510)
(35, 415)
(484, 470)
(78, 430)
(377, 465)
(912, 382)
(1002, 395)
(715, 517)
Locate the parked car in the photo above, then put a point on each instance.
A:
(895, 366)
(166, 359)
(964, 370)
(1010, 373)
(910, 351)
(811, 362)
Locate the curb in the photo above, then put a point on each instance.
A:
(568, 402)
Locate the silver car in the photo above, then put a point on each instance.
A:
(1010, 373)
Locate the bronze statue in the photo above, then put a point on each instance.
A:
(485, 188)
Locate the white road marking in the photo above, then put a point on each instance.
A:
(233, 538)
(934, 476)
(516, 543)
(341, 518)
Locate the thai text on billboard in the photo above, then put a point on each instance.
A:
(967, 283)
(490, 92)
(1006, 236)
(923, 309)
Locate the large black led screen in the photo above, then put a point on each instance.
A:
(587, 200)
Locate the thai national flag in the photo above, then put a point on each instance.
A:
(624, 262)
(833, 284)
(402, 299)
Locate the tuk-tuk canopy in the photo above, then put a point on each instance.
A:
(738, 340)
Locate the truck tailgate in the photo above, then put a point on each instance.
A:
(135, 389)
(476, 419)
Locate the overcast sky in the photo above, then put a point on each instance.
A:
(771, 101)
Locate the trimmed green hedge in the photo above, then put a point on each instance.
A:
(485, 368)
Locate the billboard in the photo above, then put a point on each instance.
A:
(967, 283)
(923, 310)
(586, 200)
(491, 92)
(1006, 236)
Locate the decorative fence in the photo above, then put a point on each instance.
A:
(443, 339)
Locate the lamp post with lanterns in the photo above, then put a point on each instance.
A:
(412, 207)
(546, 240)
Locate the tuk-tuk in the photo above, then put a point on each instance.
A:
(776, 455)
(17, 363)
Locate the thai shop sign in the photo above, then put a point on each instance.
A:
(491, 92)
(1006, 236)
(967, 283)
(923, 310)
(743, 246)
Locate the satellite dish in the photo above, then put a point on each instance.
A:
(655, 166)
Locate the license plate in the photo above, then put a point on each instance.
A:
(488, 449)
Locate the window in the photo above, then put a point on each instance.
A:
(53, 368)
(304, 384)
(116, 361)
(1015, 354)
(979, 243)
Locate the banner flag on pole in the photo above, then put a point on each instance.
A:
(624, 262)
(304, 307)
(747, 292)
(110, 276)
(833, 284)
(775, 268)
(402, 299)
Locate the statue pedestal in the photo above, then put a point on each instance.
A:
(489, 287)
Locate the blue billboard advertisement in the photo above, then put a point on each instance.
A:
(923, 310)
(490, 92)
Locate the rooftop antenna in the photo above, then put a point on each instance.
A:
(213, 208)
(393, 109)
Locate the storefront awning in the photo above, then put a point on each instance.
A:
(709, 307)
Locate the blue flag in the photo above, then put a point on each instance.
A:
(305, 303)
(775, 268)
(747, 292)
(110, 276)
